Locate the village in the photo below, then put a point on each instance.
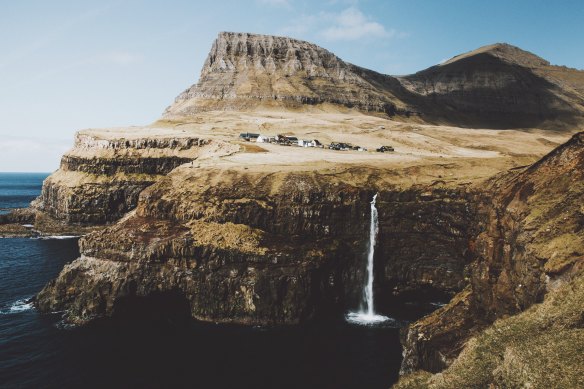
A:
(290, 140)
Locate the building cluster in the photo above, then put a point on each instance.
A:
(284, 140)
(290, 140)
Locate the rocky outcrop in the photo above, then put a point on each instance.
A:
(530, 241)
(99, 180)
(279, 248)
(243, 71)
(497, 86)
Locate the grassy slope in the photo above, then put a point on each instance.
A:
(542, 347)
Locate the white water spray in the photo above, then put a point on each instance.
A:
(367, 315)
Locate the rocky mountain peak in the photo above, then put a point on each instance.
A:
(244, 71)
(244, 51)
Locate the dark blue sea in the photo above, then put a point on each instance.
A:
(17, 190)
(37, 351)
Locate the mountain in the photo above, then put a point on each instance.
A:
(244, 71)
(500, 86)
(497, 86)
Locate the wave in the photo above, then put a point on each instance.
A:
(18, 306)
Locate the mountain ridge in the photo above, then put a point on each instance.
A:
(495, 86)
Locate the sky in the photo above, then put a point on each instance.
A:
(70, 65)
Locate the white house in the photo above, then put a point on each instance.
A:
(266, 139)
(309, 143)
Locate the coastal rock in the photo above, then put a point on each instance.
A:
(100, 178)
(531, 241)
(281, 248)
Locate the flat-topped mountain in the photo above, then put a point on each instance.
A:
(496, 86)
(244, 71)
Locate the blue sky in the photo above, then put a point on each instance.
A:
(69, 65)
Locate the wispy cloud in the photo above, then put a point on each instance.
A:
(352, 24)
(301, 26)
(121, 58)
(18, 144)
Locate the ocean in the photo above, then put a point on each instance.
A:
(38, 351)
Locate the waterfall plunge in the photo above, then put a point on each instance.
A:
(367, 315)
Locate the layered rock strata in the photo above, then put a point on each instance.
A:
(278, 248)
(243, 71)
(99, 180)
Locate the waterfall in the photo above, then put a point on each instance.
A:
(367, 314)
(373, 230)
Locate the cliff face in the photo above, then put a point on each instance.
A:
(282, 248)
(530, 243)
(424, 241)
(497, 86)
(244, 71)
(99, 180)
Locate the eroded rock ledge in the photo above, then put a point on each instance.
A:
(100, 178)
(256, 248)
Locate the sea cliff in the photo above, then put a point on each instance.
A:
(186, 217)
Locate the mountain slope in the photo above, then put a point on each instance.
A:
(530, 251)
(244, 71)
(497, 86)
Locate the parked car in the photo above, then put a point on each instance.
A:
(385, 149)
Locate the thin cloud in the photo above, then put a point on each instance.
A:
(18, 144)
(115, 58)
(33, 155)
(351, 24)
(301, 26)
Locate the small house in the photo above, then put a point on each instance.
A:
(266, 139)
(248, 136)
